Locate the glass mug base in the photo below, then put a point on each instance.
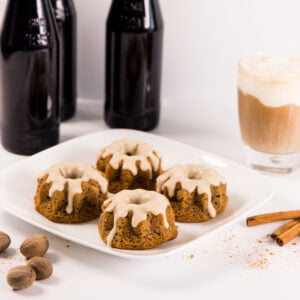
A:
(273, 163)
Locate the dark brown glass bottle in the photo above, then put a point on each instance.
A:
(134, 39)
(65, 15)
(30, 77)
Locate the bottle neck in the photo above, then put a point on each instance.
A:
(134, 15)
(63, 9)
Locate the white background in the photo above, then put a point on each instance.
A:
(203, 41)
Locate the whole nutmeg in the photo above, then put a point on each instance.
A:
(21, 277)
(35, 245)
(41, 266)
(4, 241)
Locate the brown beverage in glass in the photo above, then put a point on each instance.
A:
(269, 111)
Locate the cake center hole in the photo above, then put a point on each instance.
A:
(139, 201)
(132, 152)
(72, 174)
(194, 175)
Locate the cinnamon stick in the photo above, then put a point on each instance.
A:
(273, 217)
(284, 228)
(288, 234)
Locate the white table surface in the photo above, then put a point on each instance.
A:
(235, 263)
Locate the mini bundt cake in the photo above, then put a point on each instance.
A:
(129, 164)
(196, 193)
(137, 220)
(70, 192)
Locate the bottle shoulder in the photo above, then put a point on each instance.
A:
(137, 16)
(28, 28)
(132, 26)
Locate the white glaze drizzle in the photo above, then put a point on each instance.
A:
(140, 202)
(73, 173)
(144, 153)
(191, 177)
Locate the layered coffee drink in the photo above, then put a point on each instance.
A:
(269, 108)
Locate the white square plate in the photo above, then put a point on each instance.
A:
(246, 189)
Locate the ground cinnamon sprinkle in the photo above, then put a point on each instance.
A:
(260, 264)
(7, 262)
(256, 260)
(246, 251)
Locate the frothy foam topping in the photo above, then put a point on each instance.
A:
(284, 69)
(275, 81)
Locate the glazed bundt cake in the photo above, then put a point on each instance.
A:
(70, 192)
(137, 219)
(196, 193)
(129, 164)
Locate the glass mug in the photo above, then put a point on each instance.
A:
(269, 112)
